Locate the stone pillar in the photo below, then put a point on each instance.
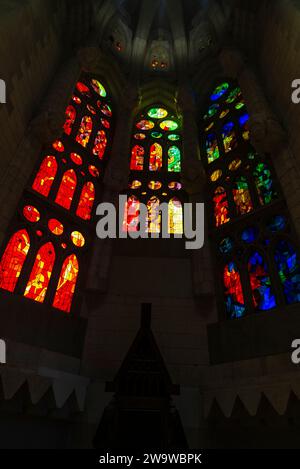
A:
(266, 133)
(116, 179)
(194, 183)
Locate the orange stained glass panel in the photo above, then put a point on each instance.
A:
(41, 273)
(156, 153)
(137, 158)
(85, 131)
(45, 176)
(131, 215)
(70, 119)
(13, 260)
(66, 284)
(67, 188)
(100, 144)
(175, 217)
(86, 201)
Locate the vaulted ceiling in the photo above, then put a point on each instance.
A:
(162, 37)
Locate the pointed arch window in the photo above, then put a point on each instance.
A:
(234, 296)
(100, 144)
(137, 158)
(154, 216)
(175, 217)
(69, 174)
(13, 260)
(85, 131)
(67, 188)
(260, 282)
(155, 166)
(45, 176)
(132, 214)
(66, 284)
(86, 201)
(221, 207)
(41, 273)
(246, 199)
(156, 155)
(70, 119)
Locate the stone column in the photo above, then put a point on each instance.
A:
(266, 133)
(116, 179)
(194, 183)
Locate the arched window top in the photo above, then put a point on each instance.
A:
(41, 273)
(13, 260)
(45, 176)
(66, 284)
(67, 188)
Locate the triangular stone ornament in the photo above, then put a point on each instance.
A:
(226, 399)
(38, 386)
(278, 395)
(251, 399)
(12, 380)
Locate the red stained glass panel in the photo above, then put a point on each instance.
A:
(41, 273)
(67, 188)
(45, 176)
(85, 131)
(13, 260)
(221, 207)
(137, 158)
(100, 144)
(66, 284)
(70, 119)
(86, 201)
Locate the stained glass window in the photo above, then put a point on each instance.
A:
(66, 284)
(131, 216)
(100, 144)
(154, 216)
(287, 262)
(212, 148)
(221, 207)
(242, 186)
(70, 119)
(62, 177)
(153, 151)
(175, 217)
(137, 158)
(45, 176)
(174, 160)
(67, 188)
(85, 131)
(13, 260)
(40, 275)
(242, 197)
(235, 305)
(156, 155)
(86, 201)
(229, 137)
(264, 184)
(260, 281)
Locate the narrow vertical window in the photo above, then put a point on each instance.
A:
(137, 158)
(70, 119)
(100, 144)
(86, 201)
(131, 216)
(288, 267)
(154, 216)
(156, 154)
(45, 176)
(67, 188)
(260, 281)
(85, 131)
(242, 197)
(66, 284)
(13, 260)
(175, 217)
(221, 207)
(234, 297)
(41, 273)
